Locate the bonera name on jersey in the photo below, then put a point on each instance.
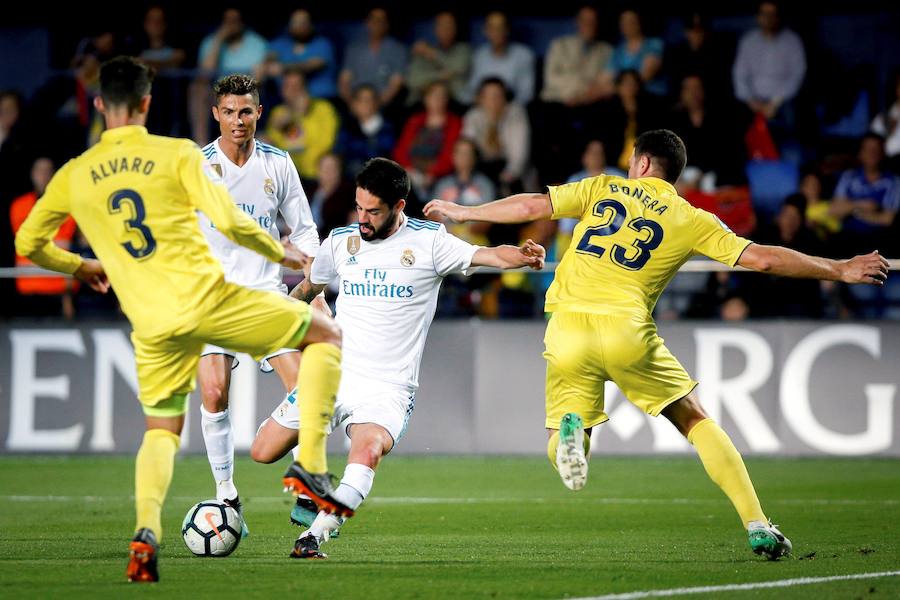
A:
(380, 290)
(121, 165)
(638, 193)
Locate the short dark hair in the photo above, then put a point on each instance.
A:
(494, 80)
(871, 135)
(798, 201)
(238, 85)
(385, 179)
(666, 148)
(124, 80)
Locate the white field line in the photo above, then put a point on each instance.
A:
(482, 500)
(736, 587)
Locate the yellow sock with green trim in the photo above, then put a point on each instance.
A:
(317, 386)
(152, 476)
(553, 444)
(726, 468)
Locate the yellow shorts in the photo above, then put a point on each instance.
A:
(245, 320)
(584, 350)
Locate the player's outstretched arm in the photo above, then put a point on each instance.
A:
(518, 208)
(528, 254)
(869, 268)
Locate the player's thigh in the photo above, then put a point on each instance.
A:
(273, 441)
(322, 329)
(645, 370)
(214, 378)
(166, 367)
(254, 321)
(575, 372)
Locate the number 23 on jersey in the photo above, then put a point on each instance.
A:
(648, 236)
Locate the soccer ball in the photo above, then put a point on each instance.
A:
(211, 528)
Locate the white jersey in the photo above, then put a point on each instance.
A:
(266, 185)
(387, 294)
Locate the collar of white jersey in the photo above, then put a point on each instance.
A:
(219, 150)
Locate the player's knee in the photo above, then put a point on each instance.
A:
(213, 396)
(261, 454)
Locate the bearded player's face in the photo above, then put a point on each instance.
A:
(375, 217)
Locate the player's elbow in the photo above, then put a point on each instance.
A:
(27, 247)
(758, 258)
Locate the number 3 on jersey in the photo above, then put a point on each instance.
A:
(613, 213)
(135, 224)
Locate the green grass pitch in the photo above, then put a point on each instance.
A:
(440, 527)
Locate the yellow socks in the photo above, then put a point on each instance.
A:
(317, 386)
(725, 467)
(152, 476)
(553, 444)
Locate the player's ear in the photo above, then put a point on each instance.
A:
(259, 111)
(215, 112)
(144, 106)
(99, 105)
(401, 204)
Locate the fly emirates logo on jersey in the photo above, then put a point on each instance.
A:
(376, 283)
(264, 220)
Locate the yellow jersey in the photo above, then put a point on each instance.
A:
(135, 197)
(631, 239)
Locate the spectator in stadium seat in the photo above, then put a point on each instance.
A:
(332, 197)
(366, 134)
(867, 198)
(232, 48)
(716, 146)
(638, 53)
(304, 126)
(449, 61)
(621, 118)
(769, 68)
(466, 186)
(500, 128)
(378, 61)
(156, 48)
(887, 125)
(574, 81)
(818, 210)
(42, 296)
(783, 296)
(302, 48)
(511, 62)
(701, 53)
(425, 147)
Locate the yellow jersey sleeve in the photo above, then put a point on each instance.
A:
(207, 192)
(572, 200)
(714, 239)
(35, 237)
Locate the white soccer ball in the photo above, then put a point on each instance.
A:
(211, 528)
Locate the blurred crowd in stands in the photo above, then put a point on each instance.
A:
(775, 160)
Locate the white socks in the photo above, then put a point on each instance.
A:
(219, 439)
(354, 488)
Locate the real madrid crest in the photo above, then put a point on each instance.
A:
(407, 259)
(269, 187)
(217, 168)
(353, 244)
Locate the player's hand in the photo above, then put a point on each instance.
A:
(440, 210)
(92, 273)
(865, 268)
(293, 257)
(534, 254)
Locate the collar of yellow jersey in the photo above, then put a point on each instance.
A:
(660, 184)
(118, 133)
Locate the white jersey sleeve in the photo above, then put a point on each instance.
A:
(323, 268)
(451, 254)
(297, 214)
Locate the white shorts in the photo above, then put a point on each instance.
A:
(264, 365)
(359, 400)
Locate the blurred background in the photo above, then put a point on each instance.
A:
(790, 118)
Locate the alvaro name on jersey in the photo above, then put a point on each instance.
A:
(388, 292)
(265, 185)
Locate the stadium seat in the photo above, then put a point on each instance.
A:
(771, 181)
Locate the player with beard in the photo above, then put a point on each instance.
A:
(389, 268)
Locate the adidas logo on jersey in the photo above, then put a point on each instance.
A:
(351, 260)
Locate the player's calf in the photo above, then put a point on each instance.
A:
(571, 459)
